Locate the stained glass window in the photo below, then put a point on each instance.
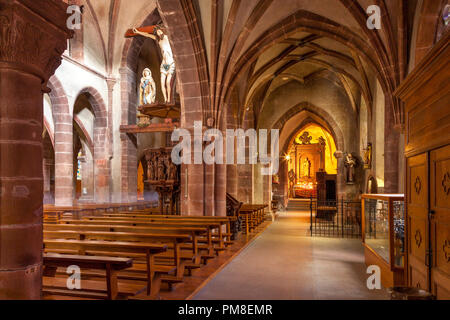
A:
(79, 166)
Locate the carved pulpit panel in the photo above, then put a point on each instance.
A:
(163, 175)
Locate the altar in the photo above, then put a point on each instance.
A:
(305, 159)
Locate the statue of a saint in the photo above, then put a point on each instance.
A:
(350, 163)
(152, 168)
(161, 169)
(167, 64)
(368, 157)
(306, 168)
(291, 175)
(148, 88)
(171, 170)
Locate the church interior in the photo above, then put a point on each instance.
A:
(97, 96)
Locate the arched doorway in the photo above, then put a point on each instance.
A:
(372, 186)
(48, 166)
(310, 163)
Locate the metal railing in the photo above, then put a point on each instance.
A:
(335, 219)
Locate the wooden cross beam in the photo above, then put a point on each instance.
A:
(147, 29)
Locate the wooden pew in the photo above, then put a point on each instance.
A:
(150, 250)
(210, 224)
(227, 221)
(176, 239)
(57, 212)
(111, 265)
(185, 238)
(252, 215)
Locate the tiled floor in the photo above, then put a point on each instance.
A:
(284, 262)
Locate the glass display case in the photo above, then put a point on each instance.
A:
(384, 235)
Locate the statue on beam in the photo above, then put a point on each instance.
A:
(148, 88)
(168, 63)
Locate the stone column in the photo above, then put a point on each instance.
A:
(110, 152)
(47, 167)
(33, 36)
(340, 183)
(245, 171)
(87, 182)
(64, 169)
(232, 176)
(391, 151)
(128, 188)
(231, 168)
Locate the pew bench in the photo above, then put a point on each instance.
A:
(111, 266)
(95, 248)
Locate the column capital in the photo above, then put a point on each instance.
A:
(111, 82)
(33, 35)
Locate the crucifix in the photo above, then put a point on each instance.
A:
(168, 63)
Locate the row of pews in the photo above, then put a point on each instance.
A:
(127, 251)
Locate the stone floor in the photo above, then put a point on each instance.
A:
(284, 262)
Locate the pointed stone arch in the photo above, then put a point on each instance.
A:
(63, 143)
(101, 142)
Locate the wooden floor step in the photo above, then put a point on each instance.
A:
(89, 288)
(71, 293)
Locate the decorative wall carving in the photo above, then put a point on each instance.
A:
(418, 238)
(160, 168)
(29, 42)
(418, 185)
(446, 249)
(446, 183)
(305, 138)
(163, 176)
(368, 157)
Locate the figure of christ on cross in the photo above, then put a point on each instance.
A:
(168, 63)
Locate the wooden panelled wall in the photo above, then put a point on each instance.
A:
(426, 94)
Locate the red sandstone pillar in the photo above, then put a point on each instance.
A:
(47, 167)
(231, 170)
(232, 176)
(245, 171)
(32, 36)
(340, 183)
(64, 169)
(391, 150)
(220, 187)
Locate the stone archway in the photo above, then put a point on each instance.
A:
(101, 143)
(371, 185)
(329, 124)
(193, 87)
(318, 112)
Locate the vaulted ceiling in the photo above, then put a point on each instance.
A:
(250, 48)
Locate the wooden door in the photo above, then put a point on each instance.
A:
(440, 222)
(417, 221)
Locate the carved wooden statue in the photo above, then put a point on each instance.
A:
(168, 62)
(368, 157)
(148, 88)
(161, 169)
(350, 163)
